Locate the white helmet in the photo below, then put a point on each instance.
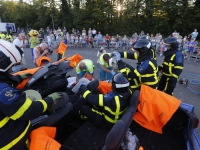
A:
(113, 62)
(9, 55)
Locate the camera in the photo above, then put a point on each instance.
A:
(50, 51)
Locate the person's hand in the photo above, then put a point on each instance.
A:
(25, 75)
(55, 95)
(113, 72)
(117, 55)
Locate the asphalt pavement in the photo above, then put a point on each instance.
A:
(181, 92)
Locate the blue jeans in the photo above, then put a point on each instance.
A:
(104, 75)
(108, 44)
(32, 53)
(99, 42)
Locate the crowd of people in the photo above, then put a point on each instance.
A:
(94, 39)
(125, 79)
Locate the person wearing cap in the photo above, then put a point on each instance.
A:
(171, 67)
(84, 66)
(16, 110)
(100, 52)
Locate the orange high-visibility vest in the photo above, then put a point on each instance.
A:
(43, 139)
(23, 83)
(155, 108)
(39, 60)
(74, 60)
(105, 87)
(62, 49)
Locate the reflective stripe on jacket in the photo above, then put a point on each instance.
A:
(16, 111)
(110, 105)
(173, 66)
(129, 55)
(147, 72)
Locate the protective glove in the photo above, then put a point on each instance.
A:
(117, 55)
(26, 75)
(113, 72)
(55, 95)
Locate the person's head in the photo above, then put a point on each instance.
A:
(142, 47)
(119, 83)
(43, 46)
(171, 42)
(9, 55)
(101, 49)
(82, 65)
(106, 57)
(21, 36)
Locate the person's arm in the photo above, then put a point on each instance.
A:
(30, 40)
(36, 54)
(129, 55)
(94, 99)
(178, 67)
(17, 106)
(98, 53)
(105, 69)
(44, 53)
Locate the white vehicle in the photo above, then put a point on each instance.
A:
(3, 26)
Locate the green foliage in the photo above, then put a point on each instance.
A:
(123, 17)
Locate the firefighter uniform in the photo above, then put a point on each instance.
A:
(133, 55)
(105, 110)
(131, 74)
(171, 68)
(146, 70)
(15, 112)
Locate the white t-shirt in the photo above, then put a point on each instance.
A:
(49, 38)
(94, 31)
(19, 43)
(194, 34)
